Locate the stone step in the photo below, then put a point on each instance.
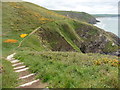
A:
(10, 57)
(27, 78)
(22, 70)
(18, 64)
(23, 73)
(20, 67)
(14, 61)
(29, 84)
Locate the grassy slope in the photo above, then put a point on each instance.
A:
(81, 16)
(25, 17)
(57, 33)
(71, 70)
(9, 78)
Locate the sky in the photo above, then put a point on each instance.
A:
(89, 6)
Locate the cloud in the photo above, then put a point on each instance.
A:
(89, 6)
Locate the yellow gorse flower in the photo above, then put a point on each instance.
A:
(23, 35)
(112, 62)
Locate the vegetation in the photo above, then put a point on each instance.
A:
(56, 32)
(110, 47)
(9, 77)
(81, 16)
(71, 69)
(56, 42)
(10, 41)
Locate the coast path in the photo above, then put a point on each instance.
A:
(26, 78)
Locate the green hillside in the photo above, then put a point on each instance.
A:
(56, 32)
(52, 39)
(81, 16)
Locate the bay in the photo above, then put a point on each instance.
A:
(109, 24)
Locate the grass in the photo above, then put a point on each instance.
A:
(71, 69)
(57, 33)
(9, 77)
(60, 28)
(109, 48)
(60, 33)
(19, 25)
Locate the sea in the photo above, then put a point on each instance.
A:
(109, 24)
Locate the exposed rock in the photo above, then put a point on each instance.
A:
(99, 42)
(93, 21)
(117, 53)
(113, 44)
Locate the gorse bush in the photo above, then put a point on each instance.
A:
(10, 41)
(23, 35)
(112, 62)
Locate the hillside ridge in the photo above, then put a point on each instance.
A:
(81, 16)
(58, 33)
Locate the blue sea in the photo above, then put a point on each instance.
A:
(109, 24)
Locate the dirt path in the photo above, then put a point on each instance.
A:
(27, 79)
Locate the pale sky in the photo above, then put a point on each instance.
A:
(89, 6)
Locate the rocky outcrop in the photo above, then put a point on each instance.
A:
(93, 21)
(98, 41)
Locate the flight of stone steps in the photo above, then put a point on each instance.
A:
(27, 79)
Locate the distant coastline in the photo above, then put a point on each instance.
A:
(106, 15)
(109, 24)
